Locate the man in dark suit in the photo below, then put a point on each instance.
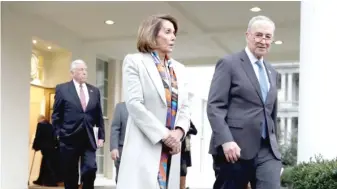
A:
(242, 108)
(77, 109)
(117, 136)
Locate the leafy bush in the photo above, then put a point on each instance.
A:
(289, 152)
(318, 174)
(286, 177)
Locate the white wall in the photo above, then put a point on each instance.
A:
(201, 173)
(199, 79)
(16, 52)
(17, 32)
(0, 94)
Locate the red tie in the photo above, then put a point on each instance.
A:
(82, 97)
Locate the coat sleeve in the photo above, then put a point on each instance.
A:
(58, 110)
(100, 119)
(115, 128)
(217, 105)
(147, 122)
(183, 114)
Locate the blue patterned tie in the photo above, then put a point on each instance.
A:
(264, 90)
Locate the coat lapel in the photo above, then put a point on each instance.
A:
(181, 86)
(73, 92)
(270, 79)
(154, 75)
(247, 66)
(91, 96)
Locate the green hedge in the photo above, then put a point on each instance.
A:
(316, 174)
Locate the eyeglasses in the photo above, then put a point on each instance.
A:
(259, 37)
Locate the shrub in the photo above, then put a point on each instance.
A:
(286, 177)
(289, 152)
(318, 174)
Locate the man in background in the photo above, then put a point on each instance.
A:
(118, 126)
(77, 109)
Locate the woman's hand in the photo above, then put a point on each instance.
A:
(176, 149)
(173, 140)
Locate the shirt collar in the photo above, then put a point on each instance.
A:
(251, 57)
(77, 84)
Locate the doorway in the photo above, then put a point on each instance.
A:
(41, 102)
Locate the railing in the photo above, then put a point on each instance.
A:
(289, 104)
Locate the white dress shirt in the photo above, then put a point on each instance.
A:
(85, 89)
(253, 61)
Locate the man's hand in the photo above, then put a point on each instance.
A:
(114, 154)
(231, 151)
(100, 143)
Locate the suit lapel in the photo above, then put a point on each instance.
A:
(270, 79)
(91, 96)
(73, 92)
(247, 66)
(154, 75)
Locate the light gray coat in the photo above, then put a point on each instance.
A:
(144, 95)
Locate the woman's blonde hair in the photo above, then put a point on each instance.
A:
(149, 29)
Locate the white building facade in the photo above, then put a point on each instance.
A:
(288, 100)
(316, 90)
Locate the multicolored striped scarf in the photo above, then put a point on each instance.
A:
(171, 94)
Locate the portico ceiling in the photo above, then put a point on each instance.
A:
(208, 30)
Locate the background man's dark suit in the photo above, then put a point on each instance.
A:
(236, 111)
(75, 130)
(118, 126)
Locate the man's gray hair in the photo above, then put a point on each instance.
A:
(259, 18)
(75, 63)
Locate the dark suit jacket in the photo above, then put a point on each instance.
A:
(235, 107)
(69, 118)
(118, 126)
(44, 137)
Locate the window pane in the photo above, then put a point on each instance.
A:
(100, 164)
(105, 107)
(106, 70)
(100, 151)
(99, 72)
(106, 88)
(102, 105)
(101, 89)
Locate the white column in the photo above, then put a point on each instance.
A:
(282, 130)
(290, 87)
(318, 89)
(283, 87)
(0, 100)
(289, 130)
(15, 77)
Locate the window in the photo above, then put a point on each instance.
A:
(297, 86)
(102, 84)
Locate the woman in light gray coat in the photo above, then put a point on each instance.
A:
(156, 97)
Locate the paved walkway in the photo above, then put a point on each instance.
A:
(96, 187)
